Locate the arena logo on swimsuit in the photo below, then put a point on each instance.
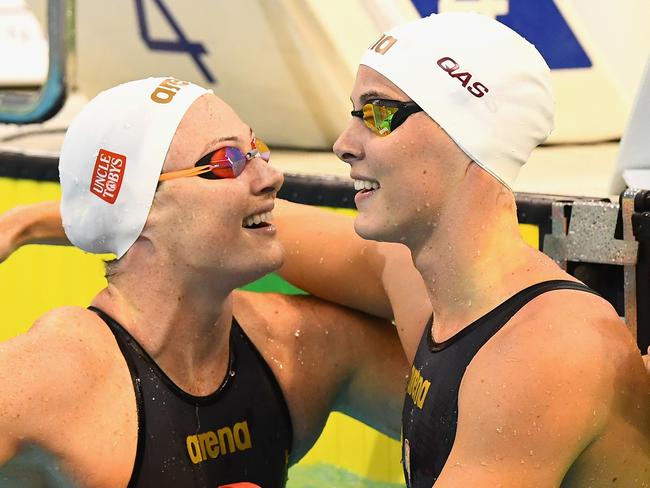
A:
(417, 388)
(226, 440)
(107, 175)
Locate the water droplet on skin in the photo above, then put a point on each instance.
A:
(297, 333)
(321, 260)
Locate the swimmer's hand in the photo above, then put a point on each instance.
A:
(38, 223)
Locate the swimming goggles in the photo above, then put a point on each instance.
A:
(384, 116)
(225, 162)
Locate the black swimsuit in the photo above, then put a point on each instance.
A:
(240, 433)
(430, 414)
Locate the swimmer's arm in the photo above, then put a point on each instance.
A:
(374, 390)
(38, 223)
(327, 258)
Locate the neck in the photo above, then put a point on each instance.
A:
(475, 258)
(181, 321)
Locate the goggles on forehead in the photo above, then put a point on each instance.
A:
(225, 162)
(384, 116)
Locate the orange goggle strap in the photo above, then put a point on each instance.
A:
(198, 170)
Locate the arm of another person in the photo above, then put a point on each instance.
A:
(326, 257)
(38, 223)
(372, 386)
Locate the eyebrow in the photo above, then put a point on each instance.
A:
(231, 138)
(372, 95)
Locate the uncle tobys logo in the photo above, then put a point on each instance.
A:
(107, 175)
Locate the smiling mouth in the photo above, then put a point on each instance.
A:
(257, 221)
(365, 186)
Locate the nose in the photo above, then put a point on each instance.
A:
(348, 146)
(266, 179)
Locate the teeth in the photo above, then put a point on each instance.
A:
(258, 219)
(365, 185)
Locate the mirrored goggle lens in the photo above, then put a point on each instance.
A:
(229, 162)
(378, 118)
(226, 162)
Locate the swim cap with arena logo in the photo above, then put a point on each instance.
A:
(111, 159)
(484, 84)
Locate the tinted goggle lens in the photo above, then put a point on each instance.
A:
(378, 118)
(384, 116)
(229, 162)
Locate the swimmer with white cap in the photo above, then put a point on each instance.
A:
(172, 379)
(521, 376)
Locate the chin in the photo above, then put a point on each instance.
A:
(271, 260)
(374, 231)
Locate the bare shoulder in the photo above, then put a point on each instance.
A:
(302, 314)
(54, 362)
(286, 321)
(65, 331)
(559, 375)
(576, 321)
(567, 351)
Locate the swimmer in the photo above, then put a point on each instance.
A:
(521, 376)
(171, 378)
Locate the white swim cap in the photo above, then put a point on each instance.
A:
(111, 159)
(484, 84)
